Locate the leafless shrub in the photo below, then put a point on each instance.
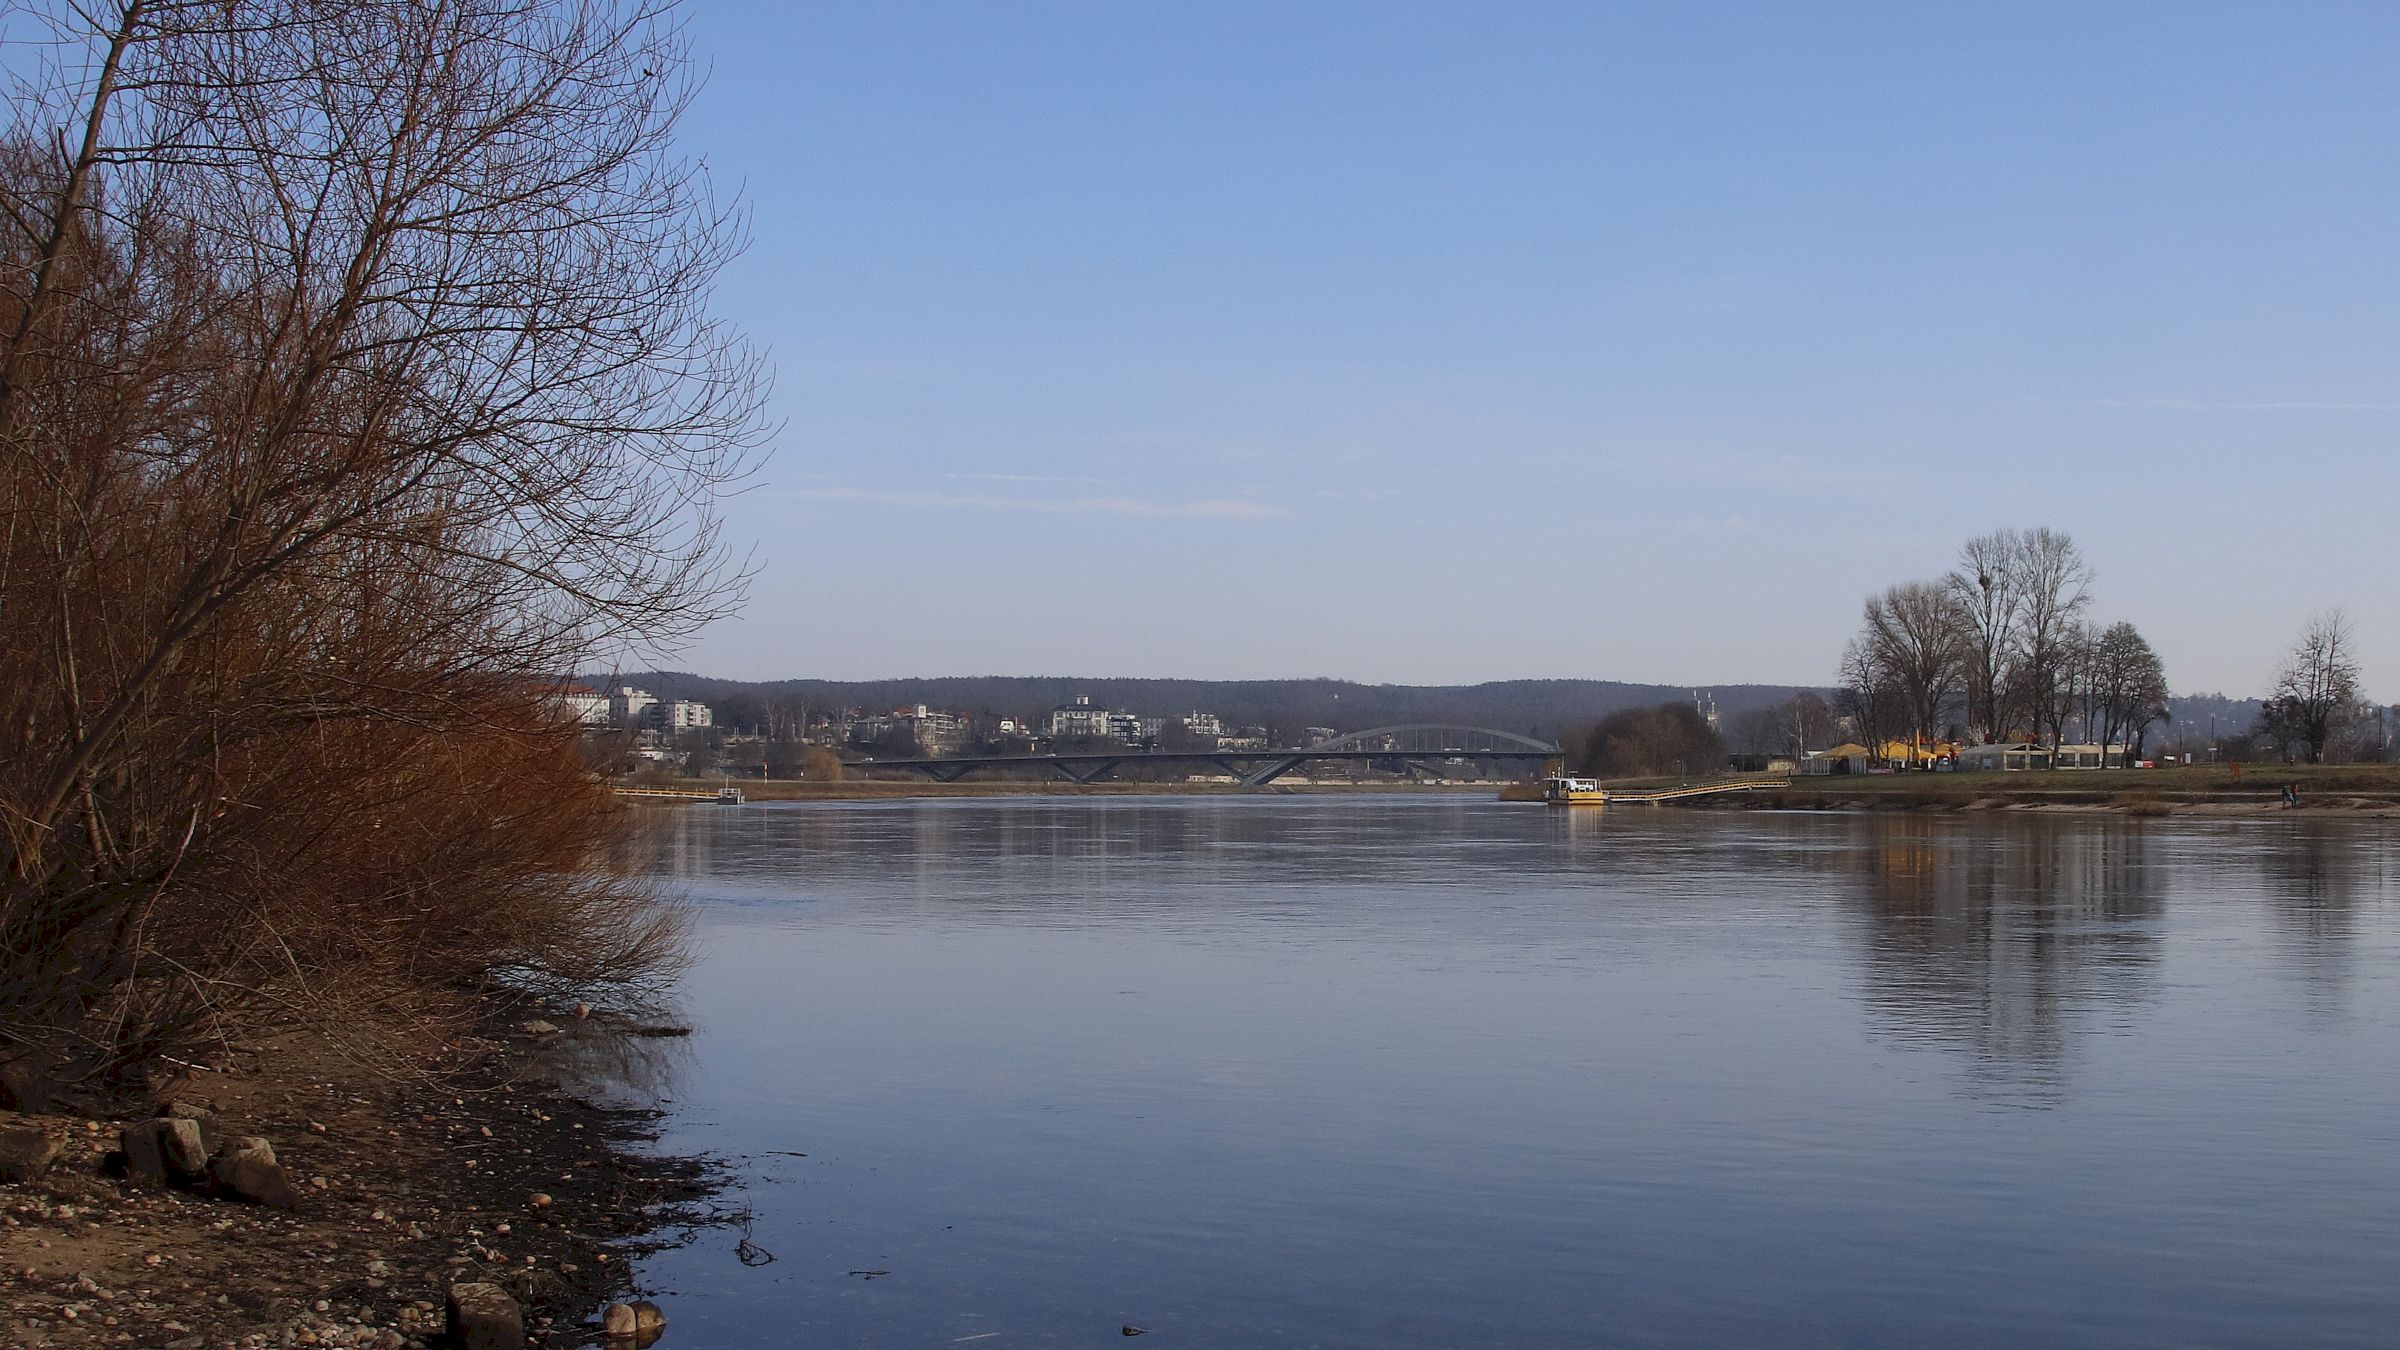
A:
(355, 377)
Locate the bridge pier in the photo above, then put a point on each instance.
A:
(1091, 773)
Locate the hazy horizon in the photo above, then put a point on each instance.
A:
(1430, 344)
(2234, 696)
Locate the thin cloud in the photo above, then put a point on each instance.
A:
(2225, 405)
(1728, 524)
(1219, 508)
(1009, 478)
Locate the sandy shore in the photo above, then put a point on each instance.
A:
(474, 1163)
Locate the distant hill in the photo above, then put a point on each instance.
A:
(2196, 715)
(1540, 708)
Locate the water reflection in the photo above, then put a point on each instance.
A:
(2318, 882)
(614, 1068)
(1423, 1072)
(2004, 943)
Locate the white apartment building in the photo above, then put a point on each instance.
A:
(630, 707)
(1080, 718)
(584, 703)
(680, 714)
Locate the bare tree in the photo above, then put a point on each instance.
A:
(1985, 587)
(356, 377)
(2316, 688)
(2129, 685)
(1793, 727)
(2053, 588)
(1865, 694)
(1911, 637)
(2078, 690)
(1807, 723)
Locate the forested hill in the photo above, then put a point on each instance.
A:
(1540, 708)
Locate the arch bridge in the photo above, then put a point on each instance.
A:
(1410, 749)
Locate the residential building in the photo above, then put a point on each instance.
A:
(679, 714)
(629, 707)
(937, 730)
(1079, 719)
(584, 703)
(932, 730)
(1244, 738)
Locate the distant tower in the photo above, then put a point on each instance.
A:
(1706, 706)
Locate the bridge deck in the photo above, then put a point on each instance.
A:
(1256, 768)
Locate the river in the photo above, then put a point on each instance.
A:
(1420, 1071)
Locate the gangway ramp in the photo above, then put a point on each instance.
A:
(1689, 790)
(724, 796)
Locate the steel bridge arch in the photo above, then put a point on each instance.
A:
(1378, 733)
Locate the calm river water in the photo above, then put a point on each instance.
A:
(1436, 1071)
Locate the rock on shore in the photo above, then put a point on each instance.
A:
(289, 1197)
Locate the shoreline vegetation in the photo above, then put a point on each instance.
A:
(342, 413)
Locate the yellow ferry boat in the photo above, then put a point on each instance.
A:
(1573, 791)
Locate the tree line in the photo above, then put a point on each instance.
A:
(2000, 648)
(2003, 648)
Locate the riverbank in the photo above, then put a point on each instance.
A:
(481, 1160)
(2363, 789)
(2202, 790)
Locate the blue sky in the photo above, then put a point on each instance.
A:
(1445, 343)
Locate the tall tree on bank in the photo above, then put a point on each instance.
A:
(356, 379)
(1865, 694)
(2316, 687)
(1985, 589)
(2129, 685)
(1912, 639)
(2053, 586)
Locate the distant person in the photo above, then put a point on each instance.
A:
(2291, 794)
